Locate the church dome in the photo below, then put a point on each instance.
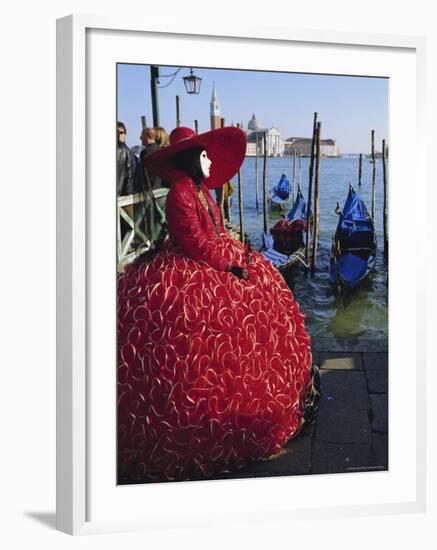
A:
(253, 123)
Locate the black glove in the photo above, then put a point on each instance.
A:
(239, 272)
(248, 252)
(249, 247)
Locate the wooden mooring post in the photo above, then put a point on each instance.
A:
(299, 185)
(240, 206)
(240, 203)
(316, 200)
(178, 115)
(373, 175)
(384, 169)
(360, 169)
(265, 184)
(256, 173)
(219, 192)
(310, 192)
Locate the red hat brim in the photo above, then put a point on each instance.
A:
(226, 148)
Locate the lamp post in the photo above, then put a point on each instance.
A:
(192, 86)
(154, 76)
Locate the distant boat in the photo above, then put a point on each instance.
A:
(280, 194)
(353, 252)
(284, 246)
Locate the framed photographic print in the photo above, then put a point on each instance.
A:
(235, 335)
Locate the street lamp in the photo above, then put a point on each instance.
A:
(154, 76)
(191, 82)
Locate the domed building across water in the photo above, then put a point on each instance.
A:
(253, 124)
(255, 139)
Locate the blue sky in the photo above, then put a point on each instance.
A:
(349, 107)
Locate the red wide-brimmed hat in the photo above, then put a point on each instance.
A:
(226, 148)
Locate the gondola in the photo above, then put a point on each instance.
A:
(279, 196)
(284, 246)
(353, 252)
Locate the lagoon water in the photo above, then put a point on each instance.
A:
(362, 321)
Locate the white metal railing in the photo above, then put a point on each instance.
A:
(134, 242)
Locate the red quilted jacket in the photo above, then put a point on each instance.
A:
(190, 225)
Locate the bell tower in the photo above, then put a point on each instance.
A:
(215, 110)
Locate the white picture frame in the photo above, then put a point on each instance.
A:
(82, 425)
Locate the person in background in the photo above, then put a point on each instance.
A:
(223, 200)
(136, 151)
(148, 215)
(148, 139)
(162, 138)
(228, 190)
(124, 163)
(144, 180)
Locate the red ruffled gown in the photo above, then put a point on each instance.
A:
(213, 371)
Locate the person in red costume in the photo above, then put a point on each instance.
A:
(214, 361)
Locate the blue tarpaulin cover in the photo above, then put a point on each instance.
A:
(355, 235)
(355, 226)
(355, 216)
(352, 268)
(299, 209)
(281, 192)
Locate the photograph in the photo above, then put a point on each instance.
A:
(252, 250)
(216, 334)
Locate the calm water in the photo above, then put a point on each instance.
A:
(364, 318)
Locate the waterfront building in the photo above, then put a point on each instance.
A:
(254, 134)
(302, 146)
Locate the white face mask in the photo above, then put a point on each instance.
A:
(205, 164)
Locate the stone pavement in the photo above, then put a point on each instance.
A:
(350, 433)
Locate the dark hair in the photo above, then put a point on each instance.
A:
(189, 162)
(121, 125)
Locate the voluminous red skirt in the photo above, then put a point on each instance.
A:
(213, 371)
